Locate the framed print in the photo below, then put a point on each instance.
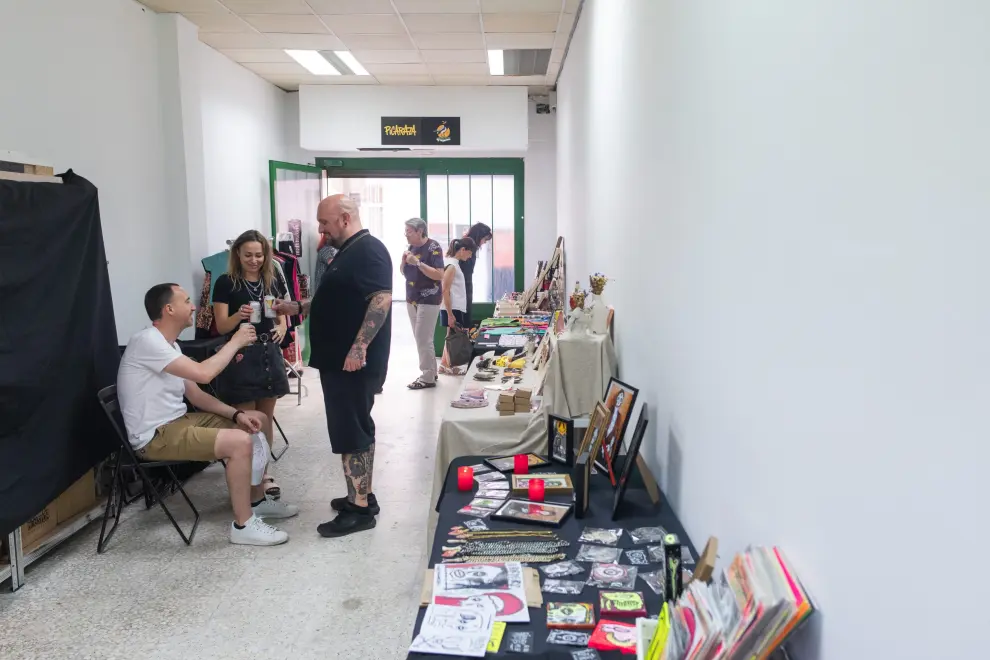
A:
(619, 400)
(627, 466)
(553, 484)
(582, 477)
(593, 435)
(560, 440)
(550, 514)
(507, 463)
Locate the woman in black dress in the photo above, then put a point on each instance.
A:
(480, 233)
(255, 378)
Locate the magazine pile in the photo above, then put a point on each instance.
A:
(746, 612)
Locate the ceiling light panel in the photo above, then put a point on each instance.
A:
(351, 63)
(313, 62)
(496, 63)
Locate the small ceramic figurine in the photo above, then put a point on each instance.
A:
(598, 310)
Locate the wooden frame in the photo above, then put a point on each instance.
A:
(506, 512)
(627, 467)
(616, 395)
(520, 483)
(560, 440)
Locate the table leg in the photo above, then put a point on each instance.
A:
(16, 560)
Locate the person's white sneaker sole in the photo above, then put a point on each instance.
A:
(272, 510)
(246, 537)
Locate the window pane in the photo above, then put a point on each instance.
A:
(297, 194)
(503, 228)
(481, 211)
(459, 201)
(437, 207)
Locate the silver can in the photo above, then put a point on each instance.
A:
(255, 311)
(270, 307)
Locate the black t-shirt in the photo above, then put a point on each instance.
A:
(224, 291)
(467, 267)
(361, 269)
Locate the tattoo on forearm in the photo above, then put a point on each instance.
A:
(358, 469)
(377, 312)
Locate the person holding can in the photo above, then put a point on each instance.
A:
(255, 378)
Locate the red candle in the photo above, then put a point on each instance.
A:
(536, 490)
(465, 478)
(521, 464)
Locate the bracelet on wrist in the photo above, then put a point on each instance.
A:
(234, 416)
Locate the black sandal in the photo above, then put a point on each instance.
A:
(420, 385)
(274, 490)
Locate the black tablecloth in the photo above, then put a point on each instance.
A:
(636, 511)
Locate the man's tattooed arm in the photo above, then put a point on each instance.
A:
(378, 310)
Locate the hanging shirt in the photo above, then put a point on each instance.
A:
(421, 289)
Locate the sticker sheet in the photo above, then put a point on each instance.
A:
(600, 536)
(451, 630)
(598, 553)
(499, 585)
(568, 638)
(562, 569)
(612, 576)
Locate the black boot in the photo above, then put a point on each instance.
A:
(337, 504)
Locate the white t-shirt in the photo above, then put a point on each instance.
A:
(458, 293)
(148, 396)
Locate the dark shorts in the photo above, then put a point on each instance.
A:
(256, 372)
(348, 398)
(459, 316)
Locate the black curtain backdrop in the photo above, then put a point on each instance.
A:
(58, 342)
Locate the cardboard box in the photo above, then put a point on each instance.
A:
(78, 498)
(38, 528)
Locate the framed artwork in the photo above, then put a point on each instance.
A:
(571, 616)
(553, 484)
(560, 439)
(508, 463)
(619, 399)
(582, 477)
(592, 440)
(627, 467)
(538, 513)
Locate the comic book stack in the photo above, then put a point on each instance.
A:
(748, 611)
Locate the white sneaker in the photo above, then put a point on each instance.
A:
(274, 509)
(259, 457)
(257, 532)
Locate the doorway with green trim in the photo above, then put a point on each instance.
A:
(451, 194)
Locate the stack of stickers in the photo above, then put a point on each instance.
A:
(493, 489)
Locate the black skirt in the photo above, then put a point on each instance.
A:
(256, 372)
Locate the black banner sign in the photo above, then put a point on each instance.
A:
(419, 131)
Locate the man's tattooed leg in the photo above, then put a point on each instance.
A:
(357, 469)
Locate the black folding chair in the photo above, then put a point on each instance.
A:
(127, 459)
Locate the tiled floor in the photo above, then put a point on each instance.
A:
(150, 596)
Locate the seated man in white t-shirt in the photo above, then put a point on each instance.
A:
(152, 380)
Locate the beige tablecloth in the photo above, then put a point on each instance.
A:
(576, 376)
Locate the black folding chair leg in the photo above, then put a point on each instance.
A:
(115, 499)
(284, 439)
(157, 496)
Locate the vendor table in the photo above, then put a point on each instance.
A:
(637, 511)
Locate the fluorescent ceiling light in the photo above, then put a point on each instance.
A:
(351, 62)
(313, 62)
(496, 65)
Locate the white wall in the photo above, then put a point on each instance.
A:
(541, 190)
(80, 89)
(243, 128)
(348, 117)
(792, 199)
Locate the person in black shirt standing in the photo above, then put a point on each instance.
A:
(480, 233)
(350, 331)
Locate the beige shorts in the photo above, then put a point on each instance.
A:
(192, 437)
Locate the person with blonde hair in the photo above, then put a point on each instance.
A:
(255, 378)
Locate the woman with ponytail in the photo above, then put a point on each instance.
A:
(453, 313)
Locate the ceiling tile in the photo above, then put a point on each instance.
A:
(477, 55)
(223, 40)
(387, 56)
(521, 22)
(449, 41)
(461, 80)
(219, 22)
(276, 68)
(257, 55)
(268, 6)
(364, 24)
(405, 80)
(505, 40)
(436, 6)
(566, 24)
(432, 23)
(518, 80)
(459, 68)
(351, 6)
(287, 24)
(377, 42)
(305, 41)
(571, 6)
(397, 69)
(284, 86)
(183, 6)
(557, 55)
(553, 69)
(538, 90)
(531, 6)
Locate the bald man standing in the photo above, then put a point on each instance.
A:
(350, 330)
